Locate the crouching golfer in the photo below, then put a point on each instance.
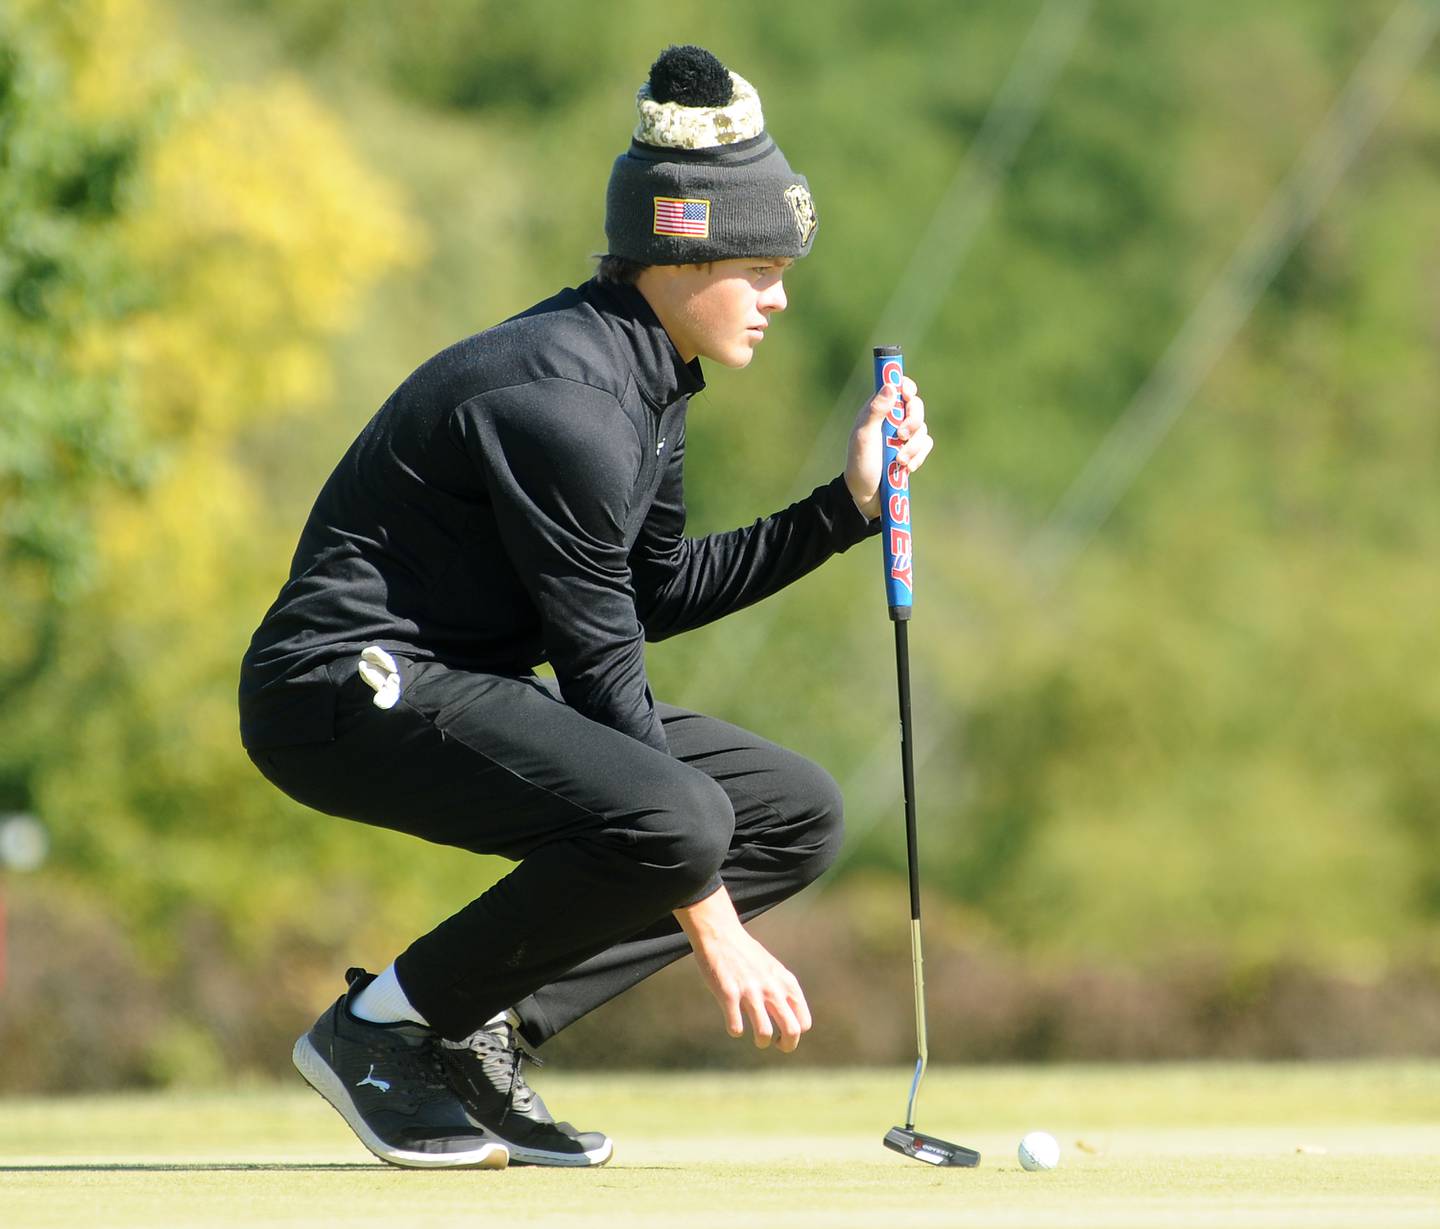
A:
(519, 500)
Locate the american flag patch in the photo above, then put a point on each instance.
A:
(675, 216)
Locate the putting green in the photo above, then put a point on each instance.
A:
(1238, 1145)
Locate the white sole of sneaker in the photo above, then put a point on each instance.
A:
(323, 1080)
(569, 1160)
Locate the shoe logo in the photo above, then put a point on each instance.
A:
(382, 1085)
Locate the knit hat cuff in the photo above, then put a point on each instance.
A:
(686, 212)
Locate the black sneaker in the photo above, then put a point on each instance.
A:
(484, 1070)
(388, 1084)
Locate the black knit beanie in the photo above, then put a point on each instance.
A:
(702, 180)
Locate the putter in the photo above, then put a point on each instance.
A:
(900, 597)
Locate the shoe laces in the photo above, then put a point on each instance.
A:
(426, 1082)
(502, 1053)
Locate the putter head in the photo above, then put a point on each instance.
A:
(909, 1142)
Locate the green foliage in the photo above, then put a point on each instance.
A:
(64, 433)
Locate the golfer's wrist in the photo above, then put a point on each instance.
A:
(710, 920)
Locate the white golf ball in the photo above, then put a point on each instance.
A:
(1039, 1150)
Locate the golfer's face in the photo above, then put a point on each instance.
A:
(725, 307)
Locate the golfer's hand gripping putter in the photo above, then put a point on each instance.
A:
(900, 597)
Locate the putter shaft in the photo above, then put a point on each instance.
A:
(912, 850)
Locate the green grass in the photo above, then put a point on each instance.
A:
(1238, 1145)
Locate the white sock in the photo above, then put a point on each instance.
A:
(383, 1001)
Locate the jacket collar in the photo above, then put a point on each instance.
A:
(661, 375)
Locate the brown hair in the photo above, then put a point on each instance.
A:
(619, 270)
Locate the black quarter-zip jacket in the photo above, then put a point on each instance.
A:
(519, 499)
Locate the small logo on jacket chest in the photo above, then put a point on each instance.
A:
(660, 447)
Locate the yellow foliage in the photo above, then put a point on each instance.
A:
(121, 54)
(268, 169)
(260, 232)
(168, 555)
(263, 231)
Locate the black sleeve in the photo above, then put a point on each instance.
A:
(681, 582)
(561, 461)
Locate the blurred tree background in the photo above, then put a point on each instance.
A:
(1179, 790)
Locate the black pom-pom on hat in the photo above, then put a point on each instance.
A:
(692, 77)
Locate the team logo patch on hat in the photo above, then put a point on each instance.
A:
(804, 210)
(680, 216)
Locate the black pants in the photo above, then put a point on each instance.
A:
(610, 835)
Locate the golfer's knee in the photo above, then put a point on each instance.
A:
(689, 837)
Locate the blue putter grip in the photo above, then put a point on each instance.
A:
(895, 494)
